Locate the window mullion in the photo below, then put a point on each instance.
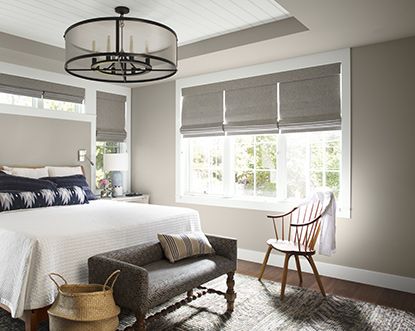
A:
(228, 167)
(281, 167)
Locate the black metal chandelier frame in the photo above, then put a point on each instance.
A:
(130, 65)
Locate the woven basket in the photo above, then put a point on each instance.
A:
(84, 307)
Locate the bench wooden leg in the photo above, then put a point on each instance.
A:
(140, 324)
(230, 293)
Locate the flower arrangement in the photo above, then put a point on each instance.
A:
(106, 189)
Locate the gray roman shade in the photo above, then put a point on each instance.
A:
(311, 104)
(305, 99)
(38, 88)
(111, 117)
(251, 110)
(202, 112)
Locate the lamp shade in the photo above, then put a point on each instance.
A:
(116, 162)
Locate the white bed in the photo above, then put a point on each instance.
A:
(36, 242)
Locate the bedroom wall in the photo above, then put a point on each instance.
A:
(43, 141)
(379, 236)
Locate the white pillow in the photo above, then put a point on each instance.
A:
(27, 172)
(64, 171)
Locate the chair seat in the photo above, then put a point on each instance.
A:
(286, 246)
(166, 280)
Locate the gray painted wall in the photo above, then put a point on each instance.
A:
(35, 141)
(379, 236)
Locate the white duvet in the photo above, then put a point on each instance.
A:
(36, 242)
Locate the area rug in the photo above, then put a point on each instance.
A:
(258, 308)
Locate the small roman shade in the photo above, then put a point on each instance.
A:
(251, 110)
(38, 88)
(311, 104)
(202, 112)
(111, 117)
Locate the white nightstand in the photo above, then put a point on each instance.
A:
(145, 198)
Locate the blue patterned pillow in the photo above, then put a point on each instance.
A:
(18, 183)
(70, 181)
(62, 196)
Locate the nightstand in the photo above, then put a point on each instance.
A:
(145, 198)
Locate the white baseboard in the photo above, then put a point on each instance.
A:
(374, 278)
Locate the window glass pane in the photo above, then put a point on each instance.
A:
(14, 99)
(59, 105)
(244, 183)
(333, 155)
(101, 149)
(313, 162)
(266, 183)
(296, 165)
(244, 152)
(199, 181)
(266, 156)
(206, 165)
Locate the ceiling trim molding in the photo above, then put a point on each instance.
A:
(255, 34)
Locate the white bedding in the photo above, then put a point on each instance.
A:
(36, 242)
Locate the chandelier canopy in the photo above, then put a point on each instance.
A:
(120, 49)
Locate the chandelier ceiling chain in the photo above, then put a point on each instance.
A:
(95, 49)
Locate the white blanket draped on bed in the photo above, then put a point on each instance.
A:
(36, 242)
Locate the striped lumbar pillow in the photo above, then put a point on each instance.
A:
(179, 246)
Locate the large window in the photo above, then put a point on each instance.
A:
(263, 167)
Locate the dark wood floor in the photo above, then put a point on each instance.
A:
(352, 290)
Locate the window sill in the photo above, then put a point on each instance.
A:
(253, 204)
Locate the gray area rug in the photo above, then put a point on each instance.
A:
(258, 308)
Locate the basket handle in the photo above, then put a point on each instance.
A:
(114, 275)
(56, 283)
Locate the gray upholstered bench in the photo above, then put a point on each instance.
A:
(147, 279)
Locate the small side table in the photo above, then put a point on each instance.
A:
(145, 198)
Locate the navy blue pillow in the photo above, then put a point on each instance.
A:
(74, 180)
(42, 198)
(18, 183)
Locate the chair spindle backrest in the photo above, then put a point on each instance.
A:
(302, 225)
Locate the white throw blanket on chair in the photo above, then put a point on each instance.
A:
(327, 238)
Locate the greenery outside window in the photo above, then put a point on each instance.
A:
(263, 167)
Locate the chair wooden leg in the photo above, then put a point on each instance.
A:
(284, 276)
(264, 264)
(297, 262)
(316, 274)
(230, 293)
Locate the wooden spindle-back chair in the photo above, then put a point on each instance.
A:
(296, 233)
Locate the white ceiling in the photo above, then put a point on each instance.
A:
(193, 20)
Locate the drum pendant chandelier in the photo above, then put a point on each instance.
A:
(120, 49)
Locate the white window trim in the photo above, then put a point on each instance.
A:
(342, 56)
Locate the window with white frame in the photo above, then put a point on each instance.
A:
(283, 166)
(22, 91)
(258, 163)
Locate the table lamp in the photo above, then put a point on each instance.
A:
(115, 163)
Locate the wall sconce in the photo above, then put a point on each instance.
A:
(82, 157)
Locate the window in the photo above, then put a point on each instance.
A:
(306, 100)
(41, 103)
(101, 149)
(263, 167)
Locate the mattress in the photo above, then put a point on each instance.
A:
(60, 239)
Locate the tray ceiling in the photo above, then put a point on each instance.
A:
(193, 20)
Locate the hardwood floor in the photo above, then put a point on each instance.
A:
(352, 290)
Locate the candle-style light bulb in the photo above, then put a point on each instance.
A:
(94, 46)
(108, 43)
(131, 44)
